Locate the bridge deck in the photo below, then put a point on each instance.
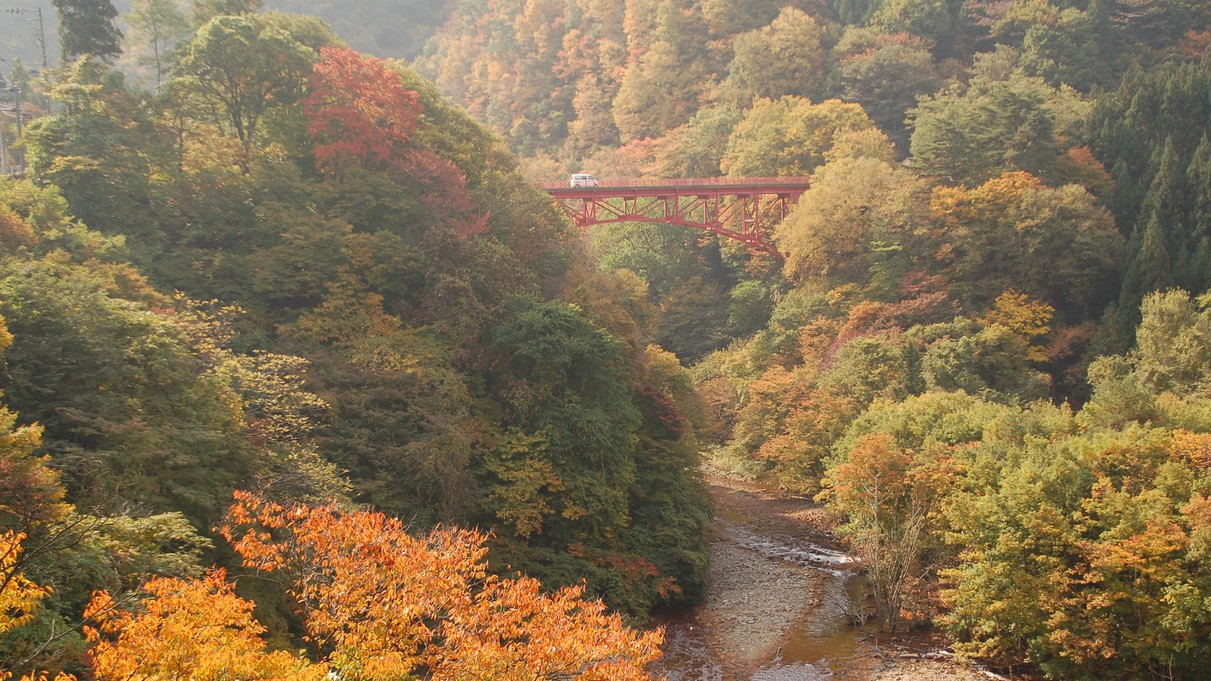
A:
(701, 186)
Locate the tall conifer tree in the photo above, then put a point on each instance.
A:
(1161, 252)
(1198, 175)
(87, 27)
(1166, 199)
(1149, 268)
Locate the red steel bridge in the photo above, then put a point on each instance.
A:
(740, 208)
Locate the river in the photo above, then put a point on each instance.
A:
(781, 603)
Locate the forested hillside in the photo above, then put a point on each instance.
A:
(383, 28)
(985, 348)
(296, 270)
(300, 372)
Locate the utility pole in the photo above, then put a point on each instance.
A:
(4, 167)
(39, 32)
(40, 36)
(17, 110)
(17, 166)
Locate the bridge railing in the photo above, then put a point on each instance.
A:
(691, 182)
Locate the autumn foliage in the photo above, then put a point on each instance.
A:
(358, 111)
(18, 595)
(377, 602)
(196, 629)
(381, 603)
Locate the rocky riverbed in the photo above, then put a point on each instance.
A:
(780, 602)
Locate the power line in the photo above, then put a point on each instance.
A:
(39, 32)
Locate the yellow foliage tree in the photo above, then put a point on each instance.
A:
(1013, 232)
(195, 629)
(1025, 316)
(18, 595)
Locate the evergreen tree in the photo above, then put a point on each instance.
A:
(87, 27)
(1198, 176)
(1166, 205)
(855, 12)
(1149, 268)
(1106, 41)
(1130, 128)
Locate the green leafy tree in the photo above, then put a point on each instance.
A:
(967, 135)
(789, 136)
(99, 152)
(885, 73)
(45, 538)
(1005, 568)
(105, 378)
(202, 11)
(984, 359)
(244, 65)
(1173, 344)
(730, 17)
(158, 25)
(693, 318)
(1015, 233)
(696, 148)
(858, 224)
(561, 471)
(784, 58)
(933, 19)
(1082, 551)
(571, 367)
(1072, 47)
(854, 374)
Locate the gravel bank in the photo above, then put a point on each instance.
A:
(762, 600)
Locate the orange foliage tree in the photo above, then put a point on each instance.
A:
(381, 603)
(889, 495)
(378, 603)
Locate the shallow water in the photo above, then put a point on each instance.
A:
(686, 654)
(783, 548)
(821, 639)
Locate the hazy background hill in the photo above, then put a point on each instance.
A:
(385, 28)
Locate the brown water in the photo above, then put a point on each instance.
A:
(825, 638)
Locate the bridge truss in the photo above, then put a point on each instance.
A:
(744, 209)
